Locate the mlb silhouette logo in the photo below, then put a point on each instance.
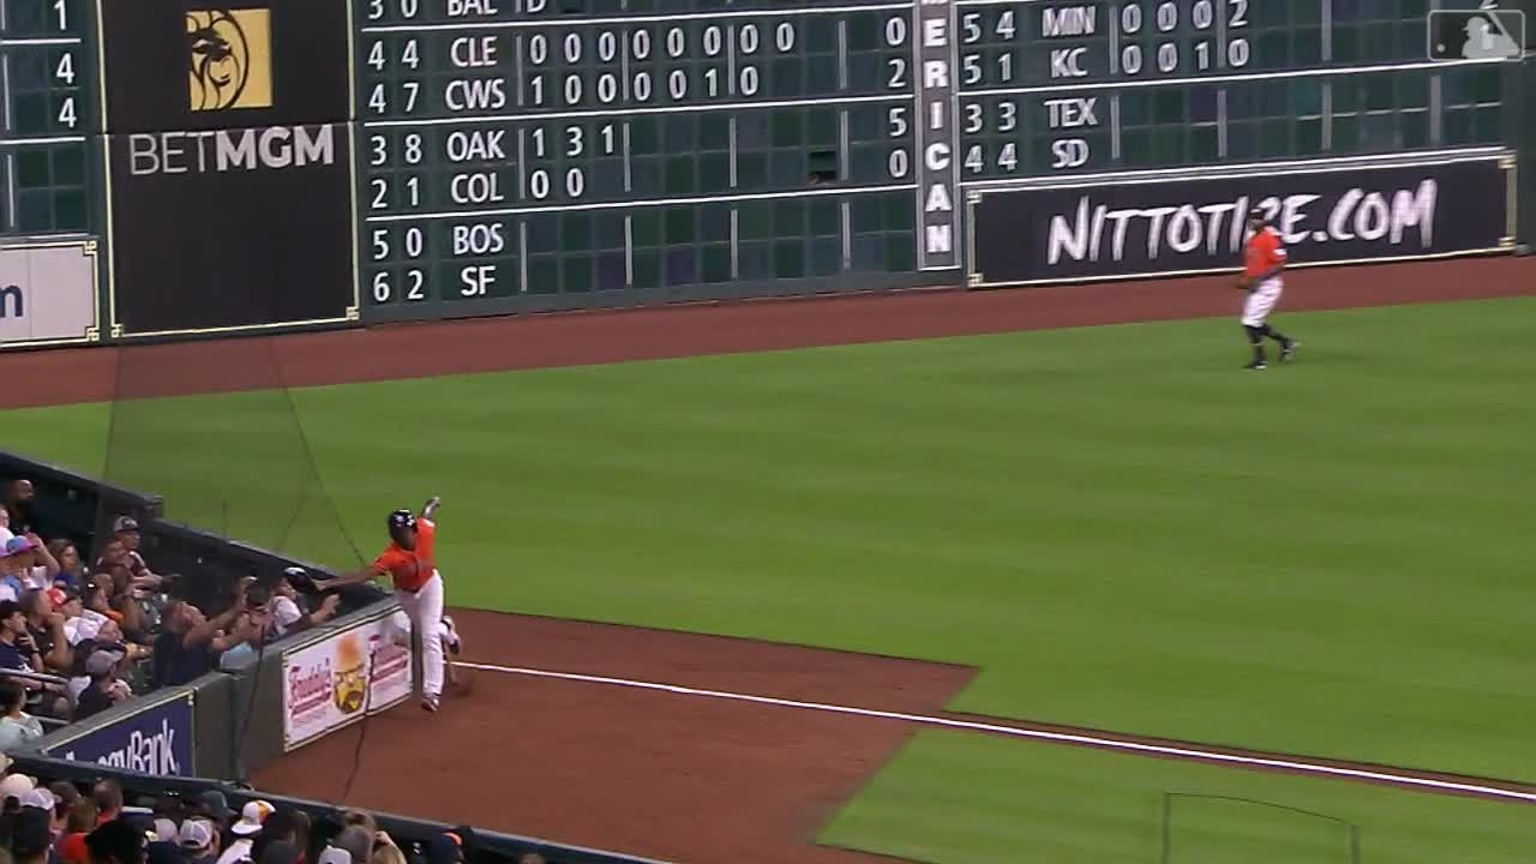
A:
(229, 59)
(1482, 34)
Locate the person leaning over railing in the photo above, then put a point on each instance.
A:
(189, 643)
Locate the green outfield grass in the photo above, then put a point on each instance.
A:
(962, 797)
(1117, 524)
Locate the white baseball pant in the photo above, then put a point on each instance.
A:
(425, 610)
(1261, 301)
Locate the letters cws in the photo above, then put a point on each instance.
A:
(938, 182)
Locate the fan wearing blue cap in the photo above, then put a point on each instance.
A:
(411, 564)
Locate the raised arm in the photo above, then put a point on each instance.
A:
(429, 509)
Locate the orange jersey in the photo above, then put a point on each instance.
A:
(1263, 253)
(410, 569)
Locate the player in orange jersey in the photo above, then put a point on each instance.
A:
(411, 564)
(1263, 261)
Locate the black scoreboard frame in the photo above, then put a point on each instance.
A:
(253, 248)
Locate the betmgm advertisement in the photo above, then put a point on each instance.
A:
(229, 191)
(343, 678)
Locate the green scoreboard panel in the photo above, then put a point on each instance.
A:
(49, 91)
(512, 148)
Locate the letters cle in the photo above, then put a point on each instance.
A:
(938, 175)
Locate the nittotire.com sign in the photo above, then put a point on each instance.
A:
(1169, 225)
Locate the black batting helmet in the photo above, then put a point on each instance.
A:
(401, 519)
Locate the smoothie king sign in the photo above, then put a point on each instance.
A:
(341, 679)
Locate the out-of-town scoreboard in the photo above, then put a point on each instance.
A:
(291, 162)
(512, 147)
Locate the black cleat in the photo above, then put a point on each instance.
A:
(1289, 350)
(1257, 366)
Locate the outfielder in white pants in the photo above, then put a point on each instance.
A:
(1264, 259)
(410, 563)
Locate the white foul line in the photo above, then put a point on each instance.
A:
(1035, 734)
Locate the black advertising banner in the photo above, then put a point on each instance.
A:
(229, 156)
(1326, 215)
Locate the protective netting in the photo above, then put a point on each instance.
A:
(234, 464)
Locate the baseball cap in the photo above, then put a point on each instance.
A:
(8, 608)
(40, 797)
(165, 830)
(102, 662)
(15, 786)
(123, 524)
(214, 805)
(251, 816)
(19, 544)
(334, 855)
(196, 834)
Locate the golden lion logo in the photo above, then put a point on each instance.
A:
(351, 688)
(229, 59)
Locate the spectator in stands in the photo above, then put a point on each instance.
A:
(106, 688)
(14, 786)
(252, 815)
(356, 842)
(385, 851)
(214, 807)
(115, 842)
(190, 643)
(65, 797)
(78, 822)
(85, 613)
(28, 565)
(72, 572)
(5, 527)
(280, 828)
(18, 653)
(18, 506)
(198, 841)
(17, 727)
(32, 828)
(108, 798)
(125, 530)
(284, 613)
(113, 576)
(46, 626)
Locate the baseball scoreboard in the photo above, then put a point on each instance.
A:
(320, 161)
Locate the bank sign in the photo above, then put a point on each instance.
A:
(156, 739)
